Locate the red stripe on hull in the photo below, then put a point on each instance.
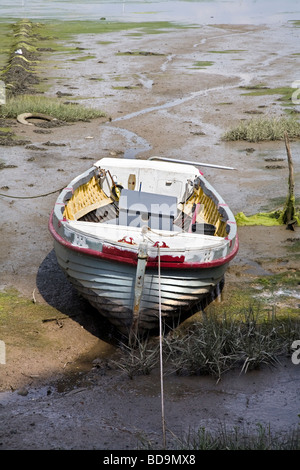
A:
(126, 256)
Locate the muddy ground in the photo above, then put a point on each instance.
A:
(59, 389)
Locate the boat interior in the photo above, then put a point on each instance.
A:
(176, 200)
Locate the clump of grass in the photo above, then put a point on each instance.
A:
(261, 438)
(47, 105)
(203, 349)
(264, 129)
(220, 341)
(138, 360)
(216, 345)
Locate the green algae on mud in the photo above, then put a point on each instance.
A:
(63, 30)
(270, 301)
(285, 94)
(202, 64)
(84, 58)
(58, 34)
(267, 219)
(22, 321)
(284, 279)
(55, 32)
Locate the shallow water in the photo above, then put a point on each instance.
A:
(195, 11)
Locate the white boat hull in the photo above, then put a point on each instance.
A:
(110, 287)
(132, 271)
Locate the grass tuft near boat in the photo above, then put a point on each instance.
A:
(139, 238)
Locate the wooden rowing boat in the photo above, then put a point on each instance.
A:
(139, 238)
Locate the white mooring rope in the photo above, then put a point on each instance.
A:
(161, 356)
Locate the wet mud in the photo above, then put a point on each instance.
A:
(67, 395)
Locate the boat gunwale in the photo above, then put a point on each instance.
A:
(123, 255)
(128, 254)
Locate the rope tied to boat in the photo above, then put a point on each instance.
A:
(31, 197)
(146, 229)
(156, 243)
(161, 353)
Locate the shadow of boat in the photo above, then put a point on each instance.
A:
(59, 293)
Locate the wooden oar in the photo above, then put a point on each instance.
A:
(192, 163)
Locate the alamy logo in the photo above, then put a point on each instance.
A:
(2, 92)
(2, 353)
(296, 353)
(296, 94)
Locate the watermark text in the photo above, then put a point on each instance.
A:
(2, 353)
(2, 93)
(296, 353)
(296, 94)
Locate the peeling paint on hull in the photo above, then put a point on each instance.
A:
(115, 265)
(111, 290)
